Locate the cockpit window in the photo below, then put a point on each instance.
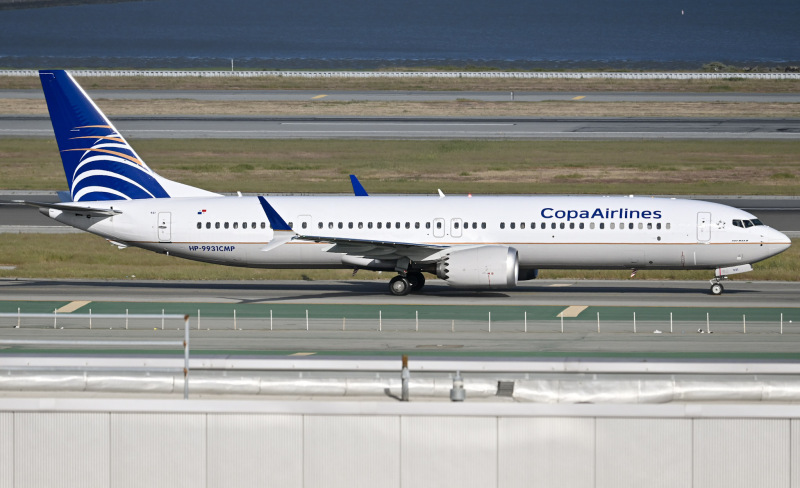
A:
(746, 223)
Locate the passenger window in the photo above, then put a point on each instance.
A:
(553, 225)
(330, 225)
(427, 225)
(591, 225)
(380, 225)
(630, 226)
(397, 225)
(408, 225)
(611, 225)
(291, 225)
(208, 225)
(244, 225)
(253, 225)
(341, 225)
(522, 225)
(228, 225)
(369, 225)
(474, 225)
(455, 225)
(533, 225)
(263, 225)
(361, 225)
(602, 225)
(349, 225)
(438, 225)
(562, 225)
(668, 225)
(502, 225)
(572, 225)
(641, 225)
(216, 225)
(483, 225)
(649, 225)
(236, 225)
(658, 225)
(580, 226)
(416, 225)
(199, 225)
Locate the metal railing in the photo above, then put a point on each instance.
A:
(416, 74)
(97, 343)
(702, 323)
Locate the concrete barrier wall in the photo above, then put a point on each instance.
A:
(46, 442)
(426, 74)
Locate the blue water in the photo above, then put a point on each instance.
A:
(351, 34)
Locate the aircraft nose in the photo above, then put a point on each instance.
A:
(779, 241)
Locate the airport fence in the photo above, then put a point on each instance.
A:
(711, 322)
(420, 74)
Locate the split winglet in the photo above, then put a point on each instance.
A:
(281, 231)
(275, 220)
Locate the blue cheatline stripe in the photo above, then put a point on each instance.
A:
(275, 220)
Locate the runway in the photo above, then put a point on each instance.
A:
(241, 127)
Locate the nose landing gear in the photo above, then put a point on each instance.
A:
(716, 287)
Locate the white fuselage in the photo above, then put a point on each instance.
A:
(547, 231)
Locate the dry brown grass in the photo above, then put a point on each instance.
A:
(425, 109)
(732, 84)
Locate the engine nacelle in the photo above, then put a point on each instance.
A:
(480, 267)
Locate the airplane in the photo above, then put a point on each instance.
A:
(480, 242)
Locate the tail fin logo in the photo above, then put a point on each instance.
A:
(107, 168)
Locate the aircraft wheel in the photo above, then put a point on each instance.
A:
(417, 281)
(399, 286)
(717, 289)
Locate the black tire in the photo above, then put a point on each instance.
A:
(417, 281)
(399, 286)
(717, 289)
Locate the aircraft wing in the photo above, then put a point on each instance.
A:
(73, 208)
(377, 249)
(356, 247)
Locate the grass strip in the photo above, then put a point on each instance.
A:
(459, 108)
(730, 84)
(643, 167)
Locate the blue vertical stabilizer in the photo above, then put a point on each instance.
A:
(98, 163)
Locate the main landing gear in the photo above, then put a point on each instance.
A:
(403, 285)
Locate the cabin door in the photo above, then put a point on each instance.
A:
(703, 226)
(164, 227)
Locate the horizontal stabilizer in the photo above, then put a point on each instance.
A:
(73, 208)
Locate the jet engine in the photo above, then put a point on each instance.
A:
(480, 267)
